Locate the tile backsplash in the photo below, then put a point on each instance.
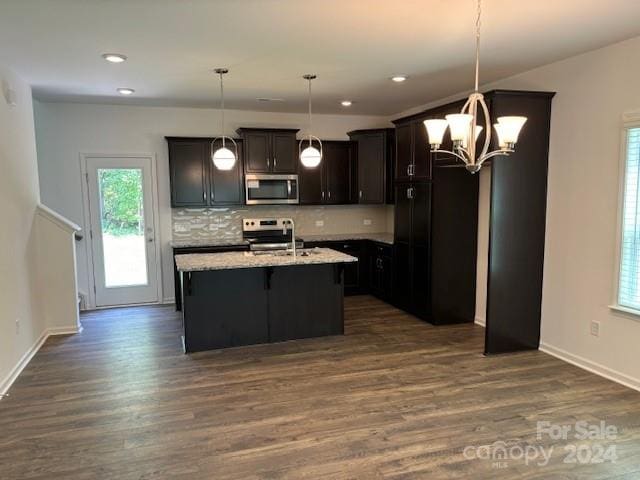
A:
(226, 223)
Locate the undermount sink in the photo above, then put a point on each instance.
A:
(303, 252)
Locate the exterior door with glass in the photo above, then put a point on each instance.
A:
(122, 230)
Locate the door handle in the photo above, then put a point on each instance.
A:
(409, 170)
(323, 195)
(268, 163)
(360, 194)
(329, 193)
(275, 162)
(410, 192)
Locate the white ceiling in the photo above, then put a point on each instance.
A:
(354, 46)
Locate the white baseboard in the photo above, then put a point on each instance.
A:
(6, 383)
(590, 366)
(480, 321)
(168, 300)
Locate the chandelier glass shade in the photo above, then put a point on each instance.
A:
(310, 156)
(223, 158)
(465, 125)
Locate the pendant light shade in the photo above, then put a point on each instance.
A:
(223, 158)
(310, 156)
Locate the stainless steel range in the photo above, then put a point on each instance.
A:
(268, 234)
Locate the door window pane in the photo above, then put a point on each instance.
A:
(122, 222)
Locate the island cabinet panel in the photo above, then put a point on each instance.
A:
(246, 306)
(195, 181)
(356, 274)
(270, 150)
(305, 302)
(216, 311)
(198, 249)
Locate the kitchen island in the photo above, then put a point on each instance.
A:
(241, 298)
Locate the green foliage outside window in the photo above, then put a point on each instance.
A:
(121, 195)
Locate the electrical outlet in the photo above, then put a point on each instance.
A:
(17, 326)
(319, 223)
(595, 328)
(367, 221)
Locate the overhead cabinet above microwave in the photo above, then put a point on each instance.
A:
(270, 150)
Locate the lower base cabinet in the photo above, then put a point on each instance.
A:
(235, 307)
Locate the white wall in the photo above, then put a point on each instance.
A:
(19, 197)
(65, 130)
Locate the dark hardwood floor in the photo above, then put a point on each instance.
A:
(394, 398)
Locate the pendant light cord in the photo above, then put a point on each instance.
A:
(310, 129)
(478, 24)
(222, 105)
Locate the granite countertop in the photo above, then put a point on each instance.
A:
(341, 237)
(206, 242)
(232, 260)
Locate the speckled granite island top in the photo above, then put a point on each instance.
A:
(231, 260)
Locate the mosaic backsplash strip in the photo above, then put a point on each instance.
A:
(226, 223)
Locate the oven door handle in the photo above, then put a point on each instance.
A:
(289, 188)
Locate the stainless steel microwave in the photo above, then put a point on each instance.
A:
(270, 189)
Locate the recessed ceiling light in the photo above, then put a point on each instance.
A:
(114, 57)
(346, 103)
(126, 91)
(399, 78)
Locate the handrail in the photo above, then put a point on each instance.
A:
(58, 219)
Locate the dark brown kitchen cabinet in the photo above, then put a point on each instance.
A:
(195, 182)
(356, 274)
(270, 150)
(412, 248)
(375, 165)
(516, 229)
(330, 183)
(381, 270)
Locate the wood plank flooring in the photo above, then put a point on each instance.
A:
(394, 398)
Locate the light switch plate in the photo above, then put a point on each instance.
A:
(319, 223)
(595, 328)
(367, 221)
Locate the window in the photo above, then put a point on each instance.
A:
(629, 271)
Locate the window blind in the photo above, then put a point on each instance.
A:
(629, 282)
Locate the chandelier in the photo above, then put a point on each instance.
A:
(464, 125)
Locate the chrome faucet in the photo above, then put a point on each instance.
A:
(285, 223)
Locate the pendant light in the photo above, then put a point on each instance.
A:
(223, 158)
(310, 157)
(464, 125)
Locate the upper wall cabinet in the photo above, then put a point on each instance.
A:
(413, 152)
(195, 182)
(333, 182)
(269, 150)
(375, 165)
